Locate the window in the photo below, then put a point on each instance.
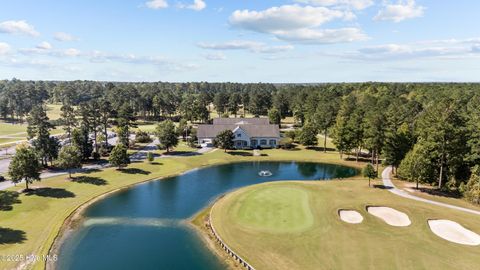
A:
(239, 135)
(263, 142)
(272, 142)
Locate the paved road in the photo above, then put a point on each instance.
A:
(137, 156)
(387, 182)
(7, 153)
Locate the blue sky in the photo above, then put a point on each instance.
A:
(240, 40)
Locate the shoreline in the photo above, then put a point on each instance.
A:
(68, 224)
(73, 220)
(207, 237)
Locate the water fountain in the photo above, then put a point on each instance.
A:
(265, 173)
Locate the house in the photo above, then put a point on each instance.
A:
(248, 132)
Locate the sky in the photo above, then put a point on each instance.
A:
(292, 41)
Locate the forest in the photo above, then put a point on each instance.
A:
(429, 132)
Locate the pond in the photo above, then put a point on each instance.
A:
(144, 227)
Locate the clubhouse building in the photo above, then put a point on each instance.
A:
(248, 132)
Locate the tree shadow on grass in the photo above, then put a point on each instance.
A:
(89, 171)
(240, 153)
(58, 193)
(97, 181)
(11, 236)
(438, 192)
(360, 159)
(135, 171)
(382, 187)
(7, 199)
(156, 163)
(320, 148)
(181, 153)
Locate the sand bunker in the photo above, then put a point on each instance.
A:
(350, 216)
(454, 232)
(390, 216)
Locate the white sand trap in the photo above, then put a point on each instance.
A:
(350, 216)
(390, 216)
(454, 232)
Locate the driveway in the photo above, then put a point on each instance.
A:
(387, 182)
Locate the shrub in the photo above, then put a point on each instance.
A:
(150, 157)
(286, 143)
(142, 137)
(96, 155)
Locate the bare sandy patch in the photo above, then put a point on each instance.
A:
(453, 232)
(390, 216)
(350, 216)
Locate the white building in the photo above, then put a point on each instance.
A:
(248, 132)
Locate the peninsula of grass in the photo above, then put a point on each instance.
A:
(29, 223)
(295, 225)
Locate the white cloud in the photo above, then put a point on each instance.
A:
(325, 36)
(157, 4)
(297, 23)
(161, 62)
(62, 36)
(252, 46)
(196, 5)
(44, 46)
(4, 48)
(283, 18)
(18, 27)
(354, 4)
(215, 56)
(402, 10)
(71, 52)
(452, 48)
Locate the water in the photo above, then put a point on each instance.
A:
(142, 227)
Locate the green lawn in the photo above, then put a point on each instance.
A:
(279, 210)
(10, 133)
(31, 225)
(327, 242)
(53, 111)
(8, 129)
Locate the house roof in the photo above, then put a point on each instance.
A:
(252, 130)
(241, 121)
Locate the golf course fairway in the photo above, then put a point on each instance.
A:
(295, 225)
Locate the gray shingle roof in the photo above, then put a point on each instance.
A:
(253, 130)
(241, 121)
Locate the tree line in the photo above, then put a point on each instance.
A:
(429, 132)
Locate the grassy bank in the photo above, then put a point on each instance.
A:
(29, 223)
(307, 233)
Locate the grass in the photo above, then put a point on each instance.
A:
(10, 133)
(54, 111)
(8, 129)
(145, 127)
(39, 216)
(278, 210)
(327, 242)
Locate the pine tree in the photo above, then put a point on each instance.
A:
(39, 129)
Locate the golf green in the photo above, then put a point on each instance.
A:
(281, 209)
